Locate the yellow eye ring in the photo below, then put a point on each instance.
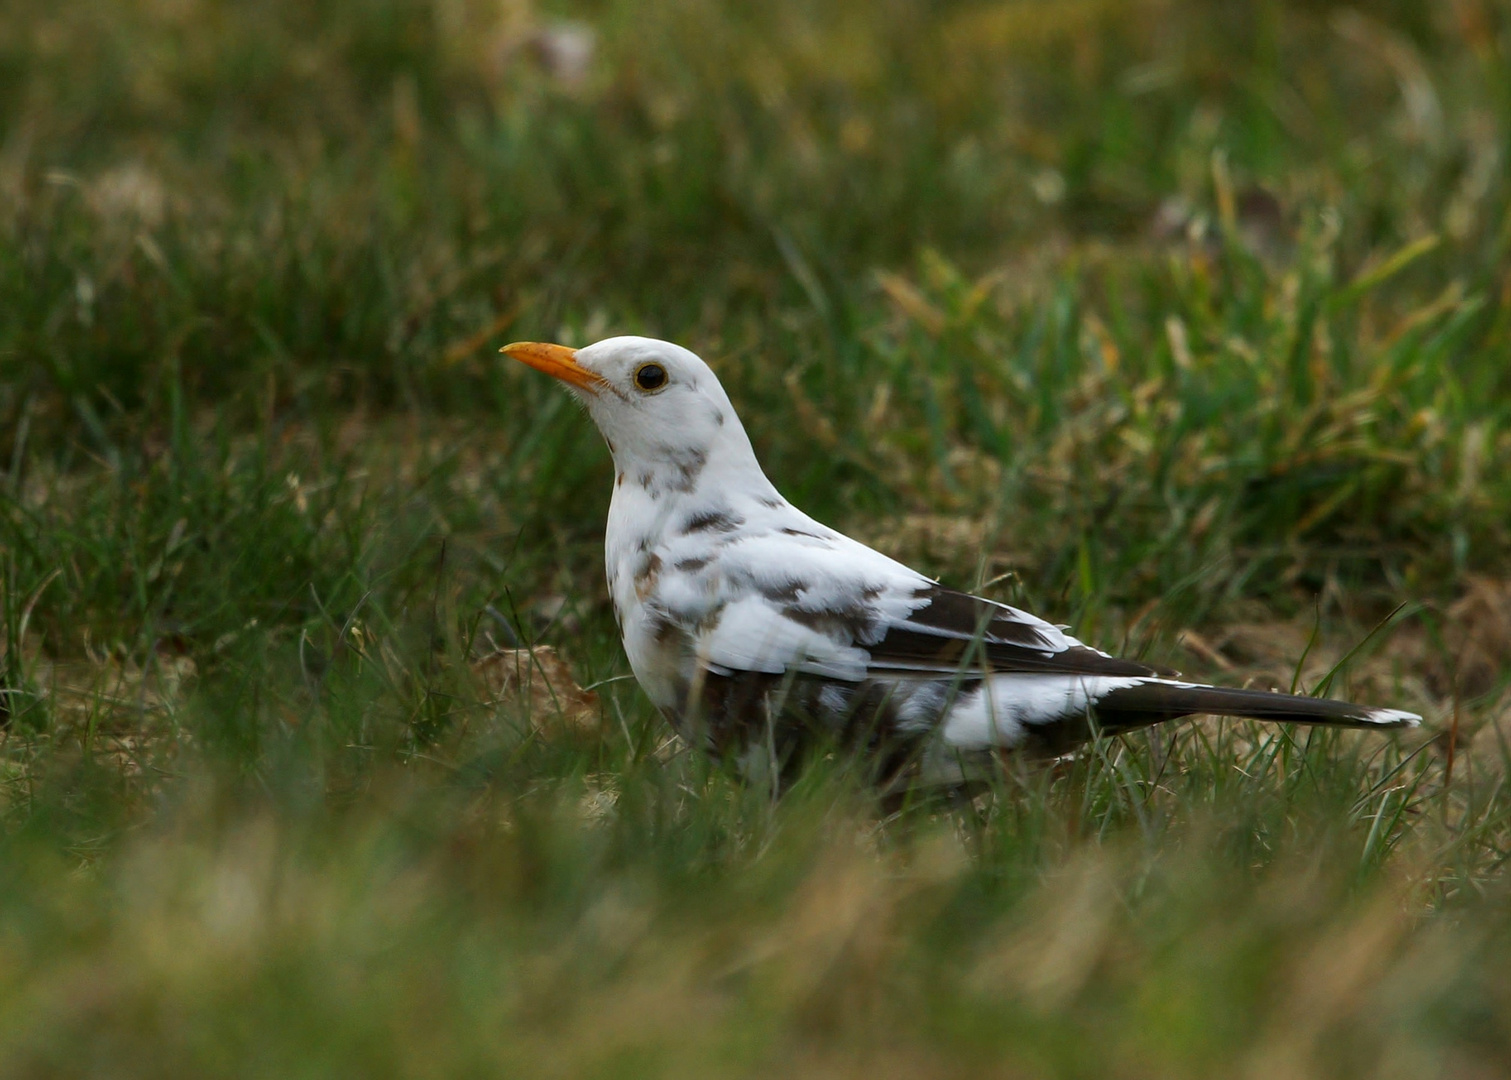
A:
(651, 378)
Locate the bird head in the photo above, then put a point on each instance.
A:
(655, 402)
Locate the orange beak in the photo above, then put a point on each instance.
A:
(557, 361)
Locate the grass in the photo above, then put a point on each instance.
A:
(1183, 323)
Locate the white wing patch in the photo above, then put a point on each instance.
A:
(752, 635)
(800, 601)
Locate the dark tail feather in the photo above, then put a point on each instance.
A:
(1156, 700)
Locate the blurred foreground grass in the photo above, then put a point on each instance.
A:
(1185, 323)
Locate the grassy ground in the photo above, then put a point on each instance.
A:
(1185, 323)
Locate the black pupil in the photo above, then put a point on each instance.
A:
(650, 377)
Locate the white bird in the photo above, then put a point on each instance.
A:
(752, 626)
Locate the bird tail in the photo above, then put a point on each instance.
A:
(1154, 700)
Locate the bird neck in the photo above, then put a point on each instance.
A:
(663, 469)
(670, 487)
(655, 497)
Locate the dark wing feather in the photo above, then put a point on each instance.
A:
(957, 632)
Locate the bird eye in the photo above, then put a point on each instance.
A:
(650, 377)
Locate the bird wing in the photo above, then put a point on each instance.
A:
(812, 601)
(954, 631)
